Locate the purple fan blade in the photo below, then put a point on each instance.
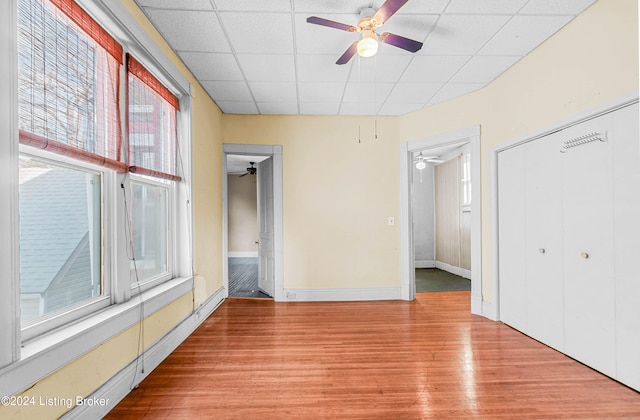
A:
(388, 9)
(331, 24)
(351, 51)
(400, 42)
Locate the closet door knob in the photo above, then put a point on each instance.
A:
(542, 250)
(585, 255)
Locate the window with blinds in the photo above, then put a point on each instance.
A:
(68, 71)
(152, 124)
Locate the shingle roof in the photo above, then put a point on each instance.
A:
(53, 221)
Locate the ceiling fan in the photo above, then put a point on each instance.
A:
(250, 171)
(370, 20)
(421, 160)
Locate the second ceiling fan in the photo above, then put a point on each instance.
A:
(368, 45)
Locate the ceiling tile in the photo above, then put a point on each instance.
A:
(274, 91)
(379, 68)
(177, 28)
(258, 32)
(328, 6)
(171, 4)
(283, 108)
(212, 66)
(313, 108)
(462, 34)
(254, 5)
(483, 69)
(321, 68)
(554, 7)
(399, 108)
(413, 93)
(358, 108)
(523, 33)
(367, 92)
(415, 27)
(233, 107)
(417, 6)
(452, 90)
(228, 90)
(320, 91)
(433, 68)
(317, 39)
(268, 68)
(497, 7)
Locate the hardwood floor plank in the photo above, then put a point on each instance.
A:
(429, 358)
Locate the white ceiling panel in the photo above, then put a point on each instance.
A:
(320, 91)
(321, 68)
(379, 69)
(259, 33)
(267, 68)
(228, 90)
(413, 92)
(462, 34)
(484, 68)
(268, 91)
(523, 33)
(496, 7)
(263, 57)
(254, 5)
(434, 68)
(171, 4)
(281, 108)
(554, 7)
(312, 108)
(212, 66)
(233, 107)
(177, 27)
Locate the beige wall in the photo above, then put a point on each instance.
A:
(243, 213)
(591, 61)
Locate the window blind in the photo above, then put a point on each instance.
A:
(151, 124)
(68, 77)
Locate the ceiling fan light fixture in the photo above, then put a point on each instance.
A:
(420, 165)
(368, 45)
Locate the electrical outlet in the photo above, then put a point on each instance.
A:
(291, 296)
(391, 221)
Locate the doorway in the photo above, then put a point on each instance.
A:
(252, 235)
(433, 145)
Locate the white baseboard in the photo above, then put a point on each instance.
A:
(489, 311)
(425, 264)
(454, 270)
(322, 295)
(119, 385)
(243, 254)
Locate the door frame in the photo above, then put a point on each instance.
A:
(275, 151)
(407, 245)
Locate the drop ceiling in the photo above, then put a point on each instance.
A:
(262, 57)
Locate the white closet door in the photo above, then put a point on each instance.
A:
(543, 231)
(626, 151)
(589, 290)
(511, 237)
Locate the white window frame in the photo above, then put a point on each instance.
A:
(57, 319)
(23, 363)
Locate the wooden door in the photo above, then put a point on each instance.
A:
(266, 271)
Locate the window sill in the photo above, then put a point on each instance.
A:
(43, 355)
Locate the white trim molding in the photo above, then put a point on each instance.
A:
(243, 254)
(119, 385)
(470, 135)
(458, 271)
(335, 295)
(425, 264)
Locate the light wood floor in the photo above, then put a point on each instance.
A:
(430, 358)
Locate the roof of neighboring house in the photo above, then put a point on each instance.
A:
(53, 222)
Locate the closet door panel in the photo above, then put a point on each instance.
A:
(543, 232)
(626, 158)
(589, 290)
(511, 237)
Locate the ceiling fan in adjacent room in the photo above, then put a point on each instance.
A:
(370, 20)
(250, 171)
